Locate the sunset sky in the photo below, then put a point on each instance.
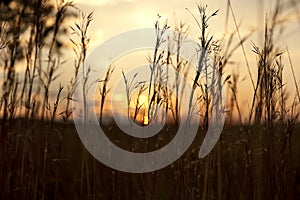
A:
(112, 17)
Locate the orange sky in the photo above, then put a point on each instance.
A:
(112, 17)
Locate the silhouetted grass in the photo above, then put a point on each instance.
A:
(42, 157)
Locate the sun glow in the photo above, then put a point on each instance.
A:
(146, 120)
(143, 101)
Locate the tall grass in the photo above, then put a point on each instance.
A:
(42, 158)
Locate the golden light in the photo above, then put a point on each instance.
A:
(146, 120)
(143, 101)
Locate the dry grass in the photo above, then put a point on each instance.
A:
(41, 156)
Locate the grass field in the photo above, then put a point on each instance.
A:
(42, 156)
(67, 176)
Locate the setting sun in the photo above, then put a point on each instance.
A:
(129, 99)
(146, 120)
(143, 101)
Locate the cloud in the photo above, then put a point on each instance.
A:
(102, 2)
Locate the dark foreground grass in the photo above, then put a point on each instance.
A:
(43, 159)
(68, 176)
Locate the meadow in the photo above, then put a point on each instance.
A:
(42, 156)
